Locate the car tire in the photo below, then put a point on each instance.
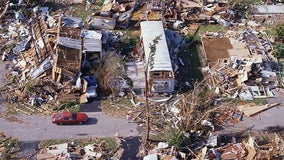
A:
(80, 122)
(60, 123)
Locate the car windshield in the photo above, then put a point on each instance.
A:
(74, 115)
(59, 116)
(91, 81)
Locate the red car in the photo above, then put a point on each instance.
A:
(69, 118)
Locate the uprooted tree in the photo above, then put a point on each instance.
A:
(192, 107)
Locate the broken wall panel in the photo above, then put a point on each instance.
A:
(70, 32)
(98, 23)
(41, 42)
(69, 59)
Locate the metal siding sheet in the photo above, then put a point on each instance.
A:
(269, 9)
(93, 45)
(69, 42)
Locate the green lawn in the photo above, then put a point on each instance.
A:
(78, 10)
(210, 28)
(258, 101)
(191, 55)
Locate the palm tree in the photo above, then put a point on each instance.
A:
(150, 62)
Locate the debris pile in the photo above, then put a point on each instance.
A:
(264, 145)
(255, 146)
(47, 55)
(74, 151)
(113, 14)
(181, 15)
(187, 111)
(244, 68)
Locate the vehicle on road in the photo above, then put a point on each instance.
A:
(68, 117)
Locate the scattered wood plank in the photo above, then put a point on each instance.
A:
(134, 118)
(253, 110)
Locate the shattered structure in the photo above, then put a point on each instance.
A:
(244, 68)
(113, 14)
(264, 145)
(269, 14)
(69, 150)
(53, 56)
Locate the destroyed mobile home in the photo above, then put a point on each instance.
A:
(51, 54)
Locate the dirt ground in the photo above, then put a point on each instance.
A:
(216, 48)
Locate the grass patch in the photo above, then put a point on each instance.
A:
(10, 109)
(173, 137)
(194, 57)
(191, 55)
(210, 28)
(281, 74)
(128, 42)
(281, 61)
(258, 101)
(196, 74)
(118, 107)
(73, 106)
(76, 108)
(78, 10)
(159, 137)
(99, 5)
(20, 108)
(121, 102)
